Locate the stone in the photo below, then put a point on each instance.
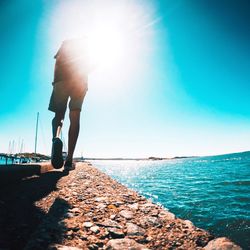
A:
(154, 212)
(90, 214)
(134, 206)
(221, 244)
(87, 224)
(150, 221)
(131, 193)
(115, 233)
(112, 206)
(109, 223)
(134, 230)
(147, 207)
(69, 215)
(82, 235)
(104, 234)
(126, 214)
(69, 233)
(118, 203)
(99, 199)
(95, 229)
(112, 216)
(92, 239)
(166, 215)
(74, 228)
(101, 206)
(149, 238)
(189, 224)
(61, 247)
(96, 218)
(93, 247)
(75, 210)
(124, 244)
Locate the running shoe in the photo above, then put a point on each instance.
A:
(69, 165)
(56, 155)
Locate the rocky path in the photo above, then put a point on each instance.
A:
(89, 210)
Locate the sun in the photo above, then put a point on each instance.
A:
(119, 40)
(114, 28)
(106, 45)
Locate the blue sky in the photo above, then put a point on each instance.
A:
(187, 92)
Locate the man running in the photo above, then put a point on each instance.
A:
(70, 81)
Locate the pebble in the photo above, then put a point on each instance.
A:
(166, 215)
(133, 229)
(101, 206)
(61, 247)
(126, 214)
(118, 203)
(221, 244)
(149, 238)
(92, 238)
(150, 221)
(87, 224)
(83, 236)
(69, 215)
(112, 206)
(134, 206)
(103, 214)
(110, 223)
(99, 199)
(75, 210)
(148, 207)
(154, 212)
(104, 235)
(95, 229)
(75, 228)
(124, 244)
(115, 232)
(93, 247)
(112, 216)
(189, 224)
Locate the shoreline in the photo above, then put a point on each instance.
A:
(90, 210)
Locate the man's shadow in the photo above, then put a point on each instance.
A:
(19, 216)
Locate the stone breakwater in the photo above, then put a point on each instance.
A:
(90, 210)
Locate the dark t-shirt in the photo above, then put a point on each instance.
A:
(72, 61)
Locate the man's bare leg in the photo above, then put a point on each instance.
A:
(74, 128)
(56, 153)
(57, 123)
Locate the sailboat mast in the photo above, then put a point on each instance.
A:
(36, 130)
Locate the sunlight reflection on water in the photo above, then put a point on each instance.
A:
(213, 192)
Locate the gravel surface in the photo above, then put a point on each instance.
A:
(87, 209)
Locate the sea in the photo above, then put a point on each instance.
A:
(3, 161)
(213, 192)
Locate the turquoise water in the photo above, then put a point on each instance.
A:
(212, 192)
(16, 161)
(3, 161)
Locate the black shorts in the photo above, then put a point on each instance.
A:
(62, 91)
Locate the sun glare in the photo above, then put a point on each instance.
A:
(106, 45)
(119, 35)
